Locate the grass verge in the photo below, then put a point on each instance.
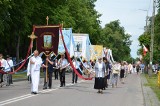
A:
(23, 75)
(153, 83)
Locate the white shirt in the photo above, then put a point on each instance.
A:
(76, 64)
(100, 66)
(9, 64)
(3, 63)
(63, 63)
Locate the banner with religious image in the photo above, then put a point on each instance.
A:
(80, 46)
(47, 38)
(97, 51)
(67, 35)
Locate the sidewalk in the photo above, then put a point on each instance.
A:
(150, 98)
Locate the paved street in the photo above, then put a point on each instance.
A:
(80, 94)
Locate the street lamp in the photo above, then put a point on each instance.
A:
(146, 27)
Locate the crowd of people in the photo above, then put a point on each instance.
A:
(7, 66)
(105, 72)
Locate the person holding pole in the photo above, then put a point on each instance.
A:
(63, 63)
(49, 72)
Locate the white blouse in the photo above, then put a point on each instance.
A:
(100, 72)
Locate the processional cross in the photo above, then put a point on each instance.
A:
(47, 18)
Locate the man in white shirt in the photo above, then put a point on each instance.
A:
(9, 68)
(2, 66)
(76, 64)
(63, 63)
(33, 69)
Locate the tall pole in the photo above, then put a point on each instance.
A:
(152, 38)
(47, 56)
(146, 27)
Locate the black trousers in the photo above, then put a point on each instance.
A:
(49, 81)
(10, 79)
(56, 73)
(1, 77)
(75, 76)
(62, 77)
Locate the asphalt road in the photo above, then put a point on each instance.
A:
(80, 94)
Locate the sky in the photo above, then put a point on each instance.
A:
(131, 13)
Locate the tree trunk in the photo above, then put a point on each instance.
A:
(17, 49)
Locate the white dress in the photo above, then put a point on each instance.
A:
(34, 71)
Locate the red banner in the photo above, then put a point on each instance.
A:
(48, 38)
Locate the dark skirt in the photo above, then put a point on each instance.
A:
(108, 76)
(99, 83)
(122, 73)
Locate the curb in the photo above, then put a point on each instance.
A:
(150, 98)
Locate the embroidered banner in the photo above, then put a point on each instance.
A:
(48, 38)
(97, 51)
(81, 46)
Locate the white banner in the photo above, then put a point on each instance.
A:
(80, 46)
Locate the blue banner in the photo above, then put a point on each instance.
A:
(67, 34)
(88, 51)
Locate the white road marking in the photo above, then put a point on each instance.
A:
(16, 99)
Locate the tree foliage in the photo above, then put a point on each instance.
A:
(113, 36)
(146, 36)
(17, 18)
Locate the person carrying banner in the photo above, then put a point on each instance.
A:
(76, 64)
(63, 63)
(50, 72)
(33, 69)
(56, 70)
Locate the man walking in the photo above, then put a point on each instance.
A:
(63, 63)
(9, 68)
(50, 72)
(33, 69)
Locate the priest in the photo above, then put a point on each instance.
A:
(33, 69)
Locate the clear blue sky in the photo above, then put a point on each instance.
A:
(129, 14)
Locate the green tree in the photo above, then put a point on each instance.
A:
(114, 37)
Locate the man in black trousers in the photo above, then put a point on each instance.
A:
(63, 63)
(76, 63)
(50, 72)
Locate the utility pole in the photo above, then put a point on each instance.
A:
(152, 38)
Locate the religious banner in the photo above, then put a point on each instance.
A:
(108, 54)
(104, 53)
(80, 45)
(97, 51)
(47, 38)
(88, 47)
(67, 35)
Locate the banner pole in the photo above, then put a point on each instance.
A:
(47, 69)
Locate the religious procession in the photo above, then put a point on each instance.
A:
(67, 52)
(79, 53)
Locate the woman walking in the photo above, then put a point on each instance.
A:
(99, 75)
(115, 72)
(122, 72)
